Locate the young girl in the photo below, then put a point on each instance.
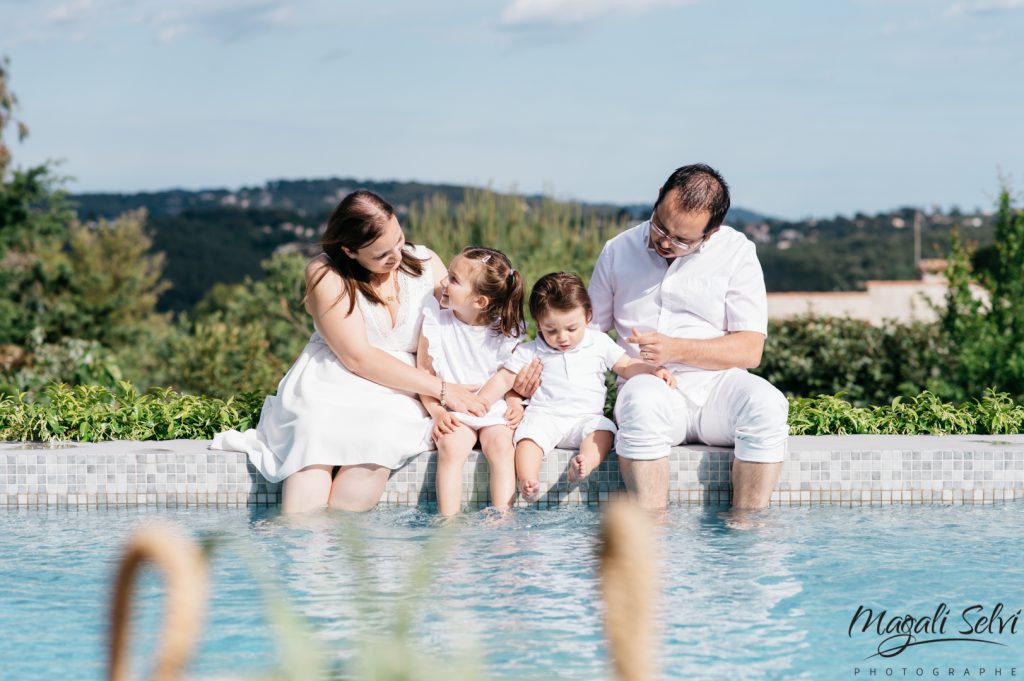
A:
(566, 411)
(467, 343)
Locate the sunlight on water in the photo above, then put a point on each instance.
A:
(765, 597)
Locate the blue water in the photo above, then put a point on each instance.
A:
(767, 597)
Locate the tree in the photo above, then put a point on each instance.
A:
(987, 338)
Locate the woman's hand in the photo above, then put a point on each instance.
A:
(464, 398)
(528, 379)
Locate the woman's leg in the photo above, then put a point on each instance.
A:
(593, 449)
(306, 490)
(528, 458)
(358, 488)
(496, 443)
(452, 451)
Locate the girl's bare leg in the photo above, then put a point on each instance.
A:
(593, 449)
(528, 458)
(306, 490)
(496, 443)
(358, 488)
(452, 451)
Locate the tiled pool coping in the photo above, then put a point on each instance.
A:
(846, 470)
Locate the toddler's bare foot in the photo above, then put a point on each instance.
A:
(579, 468)
(529, 490)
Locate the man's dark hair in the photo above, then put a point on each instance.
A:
(698, 187)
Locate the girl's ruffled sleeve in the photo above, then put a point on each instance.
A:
(431, 330)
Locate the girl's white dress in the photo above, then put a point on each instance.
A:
(466, 354)
(325, 414)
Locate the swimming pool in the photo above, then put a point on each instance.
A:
(772, 598)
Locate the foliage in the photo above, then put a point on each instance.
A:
(993, 414)
(71, 360)
(987, 338)
(213, 357)
(93, 413)
(538, 237)
(809, 355)
(274, 301)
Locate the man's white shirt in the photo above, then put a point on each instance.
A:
(717, 290)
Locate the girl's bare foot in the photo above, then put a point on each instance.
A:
(529, 490)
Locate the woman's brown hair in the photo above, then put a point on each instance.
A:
(559, 291)
(503, 286)
(356, 222)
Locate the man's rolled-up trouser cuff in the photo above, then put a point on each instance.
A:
(761, 449)
(641, 452)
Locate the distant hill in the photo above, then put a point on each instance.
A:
(221, 235)
(314, 198)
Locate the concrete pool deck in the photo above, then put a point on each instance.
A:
(848, 470)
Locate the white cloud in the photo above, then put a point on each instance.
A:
(223, 20)
(71, 11)
(522, 13)
(983, 7)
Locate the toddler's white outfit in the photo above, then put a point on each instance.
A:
(569, 403)
(466, 354)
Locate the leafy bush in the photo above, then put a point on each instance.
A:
(925, 414)
(94, 413)
(811, 355)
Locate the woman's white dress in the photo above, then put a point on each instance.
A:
(325, 414)
(466, 354)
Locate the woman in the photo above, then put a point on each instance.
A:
(349, 400)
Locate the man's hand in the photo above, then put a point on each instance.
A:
(528, 379)
(655, 348)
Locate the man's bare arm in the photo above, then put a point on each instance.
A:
(740, 349)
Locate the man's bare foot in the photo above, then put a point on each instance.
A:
(529, 490)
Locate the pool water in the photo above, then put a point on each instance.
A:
(769, 596)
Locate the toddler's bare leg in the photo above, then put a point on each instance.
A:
(528, 458)
(452, 451)
(593, 449)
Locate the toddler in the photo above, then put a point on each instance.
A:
(467, 343)
(567, 409)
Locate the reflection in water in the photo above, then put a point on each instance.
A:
(758, 595)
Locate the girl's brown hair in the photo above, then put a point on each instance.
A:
(356, 222)
(503, 286)
(559, 291)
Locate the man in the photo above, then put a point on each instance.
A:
(686, 292)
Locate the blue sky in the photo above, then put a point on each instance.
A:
(807, 108)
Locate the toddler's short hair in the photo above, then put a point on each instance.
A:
(559, 291)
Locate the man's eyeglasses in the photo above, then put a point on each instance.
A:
(660, 235)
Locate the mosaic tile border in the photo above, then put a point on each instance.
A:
(848, 471)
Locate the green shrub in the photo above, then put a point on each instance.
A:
(811, 355)
(93, 413)
(925, 414)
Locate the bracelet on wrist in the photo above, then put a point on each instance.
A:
(444, 390)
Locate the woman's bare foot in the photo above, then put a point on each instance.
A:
(529, 490)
